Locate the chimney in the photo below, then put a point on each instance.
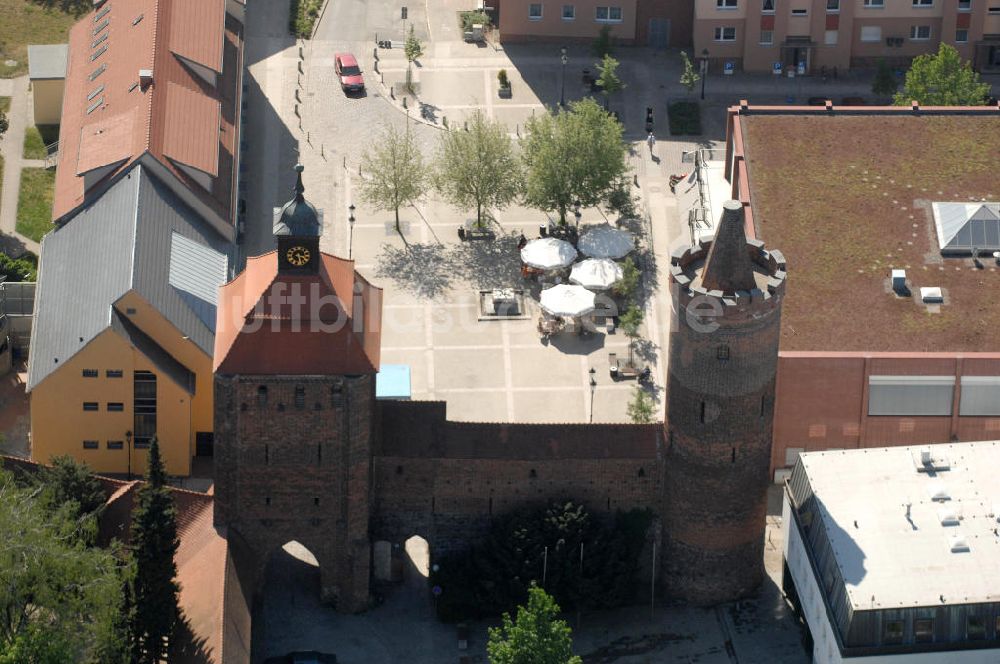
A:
(145, 78)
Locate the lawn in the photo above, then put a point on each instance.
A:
(24, 22)
(36, 138)
(34, 206)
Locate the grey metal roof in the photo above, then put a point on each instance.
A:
(47, 61)
(138, 236)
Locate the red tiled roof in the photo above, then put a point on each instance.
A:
(178, 115)
(257, 331)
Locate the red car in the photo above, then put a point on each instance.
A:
(346, 66)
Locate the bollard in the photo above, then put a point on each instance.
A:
(375, 53)
(301, 69)
(404, 102)
(359, 170)
(297, 112)
(321, 153)
(298, 96)
(444, 121)
(308, 138)
(302, 53)
(345, 162)
(392, 92)
(376, 66)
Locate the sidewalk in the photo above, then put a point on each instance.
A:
(12, 149)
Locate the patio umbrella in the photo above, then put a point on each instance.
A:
(569, 301)
(548, 253)
(597, 273)
(606, 242)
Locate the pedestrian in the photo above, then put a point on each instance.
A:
(651, 141)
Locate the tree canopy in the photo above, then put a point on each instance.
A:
(478, 167)
(884, 84)
(537, 636)
(154, 544)
(689, 75)
(609, 80)
(574, 155)
(942, 79)
(58, 596)
(394, 172)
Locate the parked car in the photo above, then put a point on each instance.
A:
(349, 73)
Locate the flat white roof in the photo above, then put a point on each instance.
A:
(887, 528)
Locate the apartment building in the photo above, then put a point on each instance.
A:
(811, 36)
(655, 23)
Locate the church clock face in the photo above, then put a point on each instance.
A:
(297, 256)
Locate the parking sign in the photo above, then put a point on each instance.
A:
(729, 68)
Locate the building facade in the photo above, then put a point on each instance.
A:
(655, 23)
(815, 36)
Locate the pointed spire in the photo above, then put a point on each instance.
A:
(728, 267)
(300, 188)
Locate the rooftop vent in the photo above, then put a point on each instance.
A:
(938, 491)
(931, 295)
(959, 544)
(145, 78)
(949, 516)
(929, 460)
(899, 286)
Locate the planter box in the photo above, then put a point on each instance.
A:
(505, 93)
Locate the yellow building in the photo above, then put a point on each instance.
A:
(124, 330)
(47, 73)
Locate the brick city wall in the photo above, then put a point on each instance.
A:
(445, 480)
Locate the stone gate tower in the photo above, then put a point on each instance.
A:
(296, 353)
(727, 296)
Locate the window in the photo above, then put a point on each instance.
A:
(97, 42)
(115, 407)
(875, 3)
(975, 628)
(90, 373)
(702, 417)
(569, 12)
(96, 105)
(261, 396)
(725, 34)
(766, 39)
(144, 407)
(964, 5)
(90, 445)
(830, 37)
(871, 33)
(910, 396)
(534, 12)
(993, 10)
(893, 632)
(300, 397)
(96, 91)
(923, 3)
(115, 445)
(722, 352)
(99, 52)
(832, 6)
(97, 72)
(923, 630)
(610, 14)
(961, 37)
(800, 12)
(726, 4)
(90, 405)
(101, 14)
(767, 7)
(100, 27)
(113, 373)
(920, 32)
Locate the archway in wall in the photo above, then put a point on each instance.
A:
(288, 615)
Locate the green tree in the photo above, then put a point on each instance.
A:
(609, 80)
(574, 155)
(67, 484)
(942, 79)
(603, 44)
(537, 636)
(394, 172)
(630, 321)
(57, 595)
(478, 168)
(690, 76)
(4, 123)
(641, 407)
(412, 49)
(154, 544)
(884, 84)
(627, 285)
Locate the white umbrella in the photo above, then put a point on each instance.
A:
(606, 242)
(598, 273)
(565, 300)
(548, 253)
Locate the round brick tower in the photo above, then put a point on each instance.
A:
(727, 295)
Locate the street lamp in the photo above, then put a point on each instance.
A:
(704, 71)
(563, 58)
(593, 388)
(350, 223)
(128, 446)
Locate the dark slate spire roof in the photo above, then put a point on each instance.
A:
(298, 218)
(728, 267)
